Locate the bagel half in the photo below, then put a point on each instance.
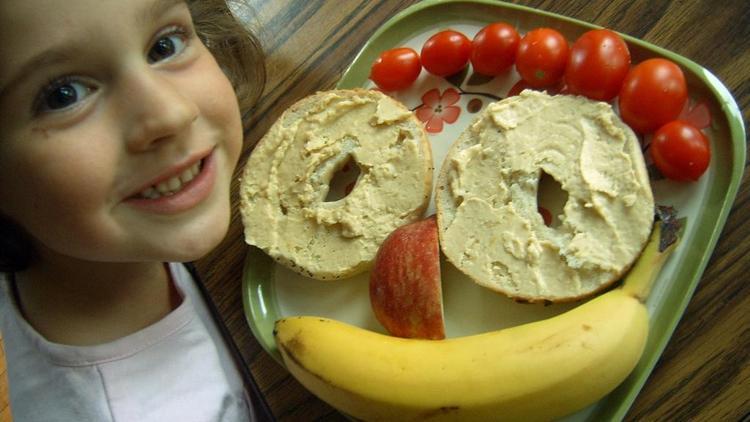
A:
(488, 218)
(286, 180)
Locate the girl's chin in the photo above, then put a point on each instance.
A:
(192, 235)
(181, 240)
(196, 251)
(198, 244)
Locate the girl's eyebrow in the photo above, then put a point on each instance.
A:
(157, 9)
(45, 58)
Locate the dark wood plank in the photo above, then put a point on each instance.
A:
(704, 374)
(5, 415)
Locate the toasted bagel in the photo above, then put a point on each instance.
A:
(287, 178)
(487, 209)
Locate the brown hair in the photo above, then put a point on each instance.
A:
(240, 56)
(234, 46)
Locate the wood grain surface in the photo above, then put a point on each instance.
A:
(704, 374)
(5, 415)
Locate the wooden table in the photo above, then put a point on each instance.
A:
(704, 374)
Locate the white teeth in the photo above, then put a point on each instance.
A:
(186, 175)
(162, 187)
(150, 193)
(172, 185)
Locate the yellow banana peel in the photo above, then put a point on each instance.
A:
(537, 371)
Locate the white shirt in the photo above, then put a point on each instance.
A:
(178, 369)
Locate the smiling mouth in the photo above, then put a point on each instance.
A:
(172, 185)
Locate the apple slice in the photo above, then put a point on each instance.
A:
(405, 288)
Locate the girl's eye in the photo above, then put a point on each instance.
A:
(62, 94)
(166, 47)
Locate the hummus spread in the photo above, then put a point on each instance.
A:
(490, 227)
(288, 176)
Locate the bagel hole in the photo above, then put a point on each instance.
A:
(344, 179)
(550, 199)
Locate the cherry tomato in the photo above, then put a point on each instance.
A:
(598, 63)
(541, 58)
(519, 86)
(546, 216)
(446, 53)
(680, 151)
(653, 93)
(396, 69)
(493, 49)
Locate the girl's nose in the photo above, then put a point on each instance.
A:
(158, 110)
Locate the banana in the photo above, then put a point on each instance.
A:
(537, 371)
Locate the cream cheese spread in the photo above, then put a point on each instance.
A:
(487, 198)
(288, 175)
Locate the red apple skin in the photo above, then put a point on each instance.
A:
(405, 288)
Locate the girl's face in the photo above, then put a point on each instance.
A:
(119, 133)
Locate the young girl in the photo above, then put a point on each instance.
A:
(119, 134)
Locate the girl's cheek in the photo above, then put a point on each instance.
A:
(224, 109)
(73, 167)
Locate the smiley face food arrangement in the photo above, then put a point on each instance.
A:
(488, 225)
(486, 192)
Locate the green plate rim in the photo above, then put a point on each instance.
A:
(259, 266)
(617, 403)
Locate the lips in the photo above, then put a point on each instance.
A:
(182, 188)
